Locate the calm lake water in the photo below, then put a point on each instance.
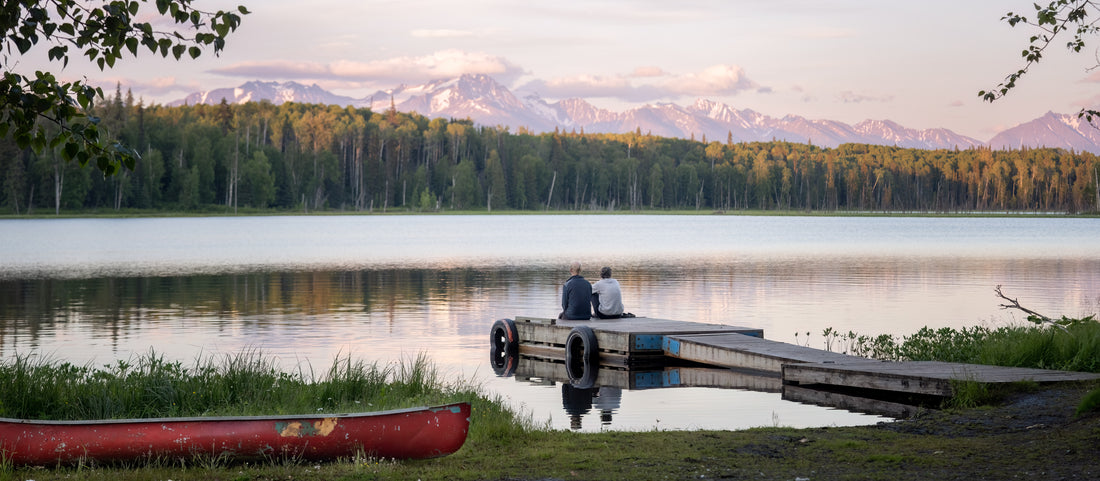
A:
(306, 289)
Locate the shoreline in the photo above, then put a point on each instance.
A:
(745, 213)
(1030, 434)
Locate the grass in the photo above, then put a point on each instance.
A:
(1076, 348)
(246, 383)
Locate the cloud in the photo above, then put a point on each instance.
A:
(850, 97)
(147, 88)
(592, 86)
(1092, 78)
(1086, 103)
(648, 71)
(438, 65)
(715, 81)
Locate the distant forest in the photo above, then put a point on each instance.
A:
(325, 158)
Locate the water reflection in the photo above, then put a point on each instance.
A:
(868, 296)
(305, 290)
(604, 398)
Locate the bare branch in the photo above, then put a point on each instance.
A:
(1015, 304)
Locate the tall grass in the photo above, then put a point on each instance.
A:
(1075, 348)
(245, 383)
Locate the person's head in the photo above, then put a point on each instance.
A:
(575, 268)
(605, 273)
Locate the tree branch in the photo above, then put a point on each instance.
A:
(1015, 304)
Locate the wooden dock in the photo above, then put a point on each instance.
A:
(631, 344)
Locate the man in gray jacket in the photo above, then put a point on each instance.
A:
(607, 298)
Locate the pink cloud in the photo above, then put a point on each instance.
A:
(648, 71)
(438, 65)
(850, 97)
(715, 81)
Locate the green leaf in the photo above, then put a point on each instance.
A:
(58, 52)
(70, 151)
(22, 44)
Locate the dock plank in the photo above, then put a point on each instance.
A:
(747, 352)
(920, 377)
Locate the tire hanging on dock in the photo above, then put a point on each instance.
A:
(582, 357)
(503, 347)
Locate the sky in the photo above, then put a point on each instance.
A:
(918, 63)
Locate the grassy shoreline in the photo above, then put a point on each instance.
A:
(1044, 432)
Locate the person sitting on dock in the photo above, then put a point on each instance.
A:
(575, 295)
(607, 297)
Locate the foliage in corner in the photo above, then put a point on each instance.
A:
(40, 112)
(1059, 17)
(1090, 403)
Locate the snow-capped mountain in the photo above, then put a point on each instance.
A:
(486, 102)
(1051, 130)
(478, 97)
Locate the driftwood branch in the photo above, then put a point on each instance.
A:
(1015, 304)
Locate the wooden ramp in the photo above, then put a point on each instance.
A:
(746, 352)
(919, 377)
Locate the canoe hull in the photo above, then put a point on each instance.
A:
(401, 434)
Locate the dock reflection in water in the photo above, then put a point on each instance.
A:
(604, 398)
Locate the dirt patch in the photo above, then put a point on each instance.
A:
(1047, 408)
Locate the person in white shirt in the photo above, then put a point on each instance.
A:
(607, 298)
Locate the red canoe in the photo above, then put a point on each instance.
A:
(415, 433)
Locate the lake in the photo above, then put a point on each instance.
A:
(306, 289)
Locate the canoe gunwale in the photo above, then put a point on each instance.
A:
(276, 417)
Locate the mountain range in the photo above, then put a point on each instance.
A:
(486, 102)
